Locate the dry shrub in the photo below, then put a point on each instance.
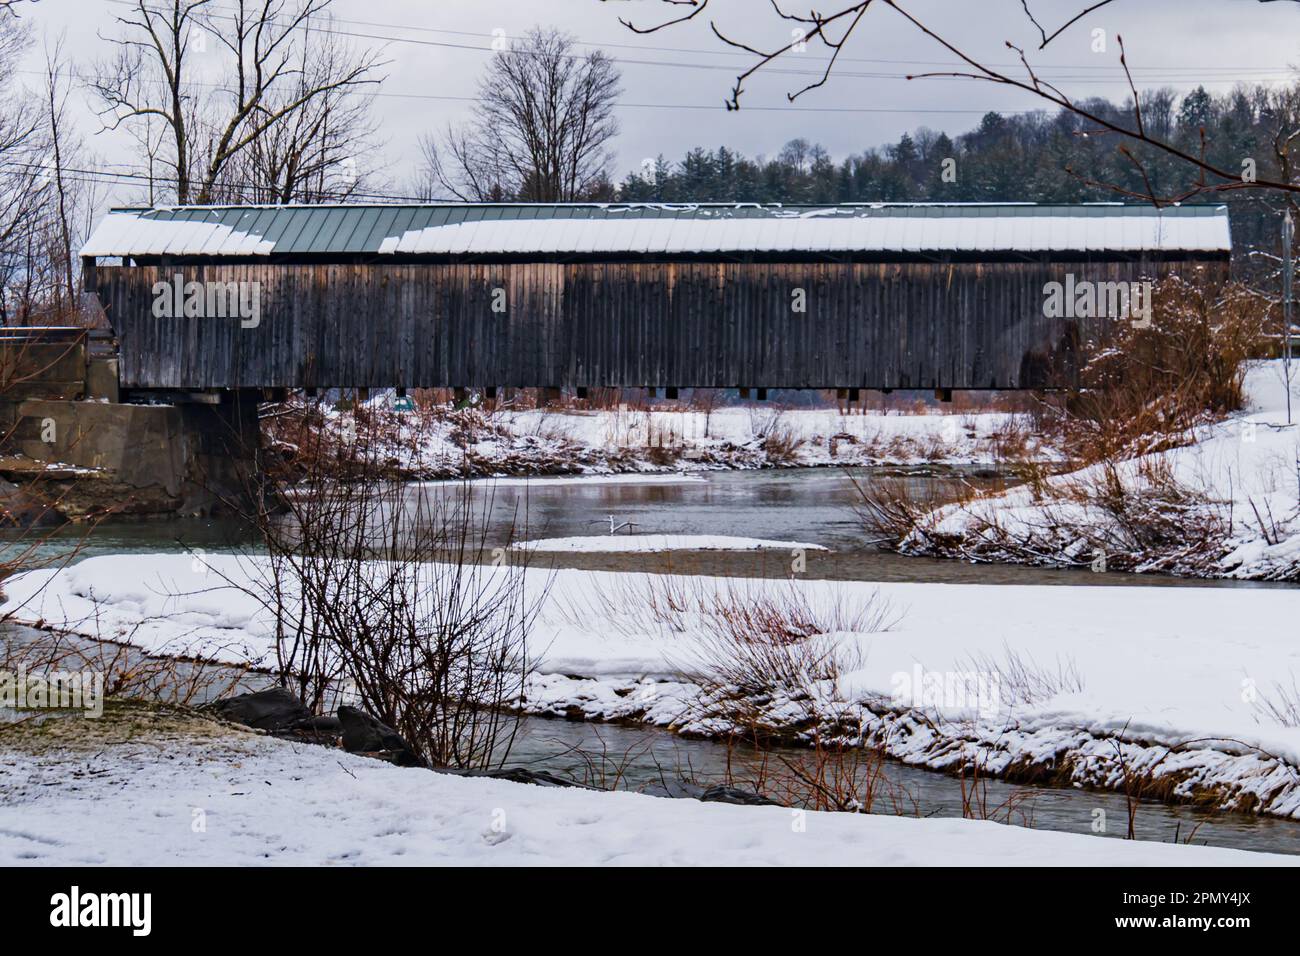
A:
(1147, 513)
(759, 638)
(781, 445)
(935, 448)
(1146, 387)
(827, 776)
(1022, 680)
(127, 671)
(1012, 441)
(394, 596)
(1116, 515)
(1016, 808)
(893, 510)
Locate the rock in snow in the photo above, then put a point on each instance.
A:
(274, 710)
(363, 734)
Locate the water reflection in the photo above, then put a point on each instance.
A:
(814, 506)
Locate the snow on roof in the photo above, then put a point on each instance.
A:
(650, 229)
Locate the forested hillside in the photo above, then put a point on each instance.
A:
(1029, 157)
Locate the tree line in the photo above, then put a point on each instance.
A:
(1028, 157)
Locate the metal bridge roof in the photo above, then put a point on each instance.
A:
(654, 229)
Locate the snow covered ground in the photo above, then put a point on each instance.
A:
(640, 543)
(1084, 683)
(1246, 470)
(584, 480)
(475, 442)
(221, 798)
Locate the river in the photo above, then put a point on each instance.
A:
(805, 505)
(809, 505)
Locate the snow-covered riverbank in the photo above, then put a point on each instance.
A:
(1225, 505)
(1186, 689)
(476, 442)
(195, 794)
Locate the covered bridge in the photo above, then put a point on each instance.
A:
(470, 295)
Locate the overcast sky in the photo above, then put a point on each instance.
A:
(675, 80)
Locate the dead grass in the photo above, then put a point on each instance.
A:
(666, 604)
(1134, 515)
(124, 722)
(756, 638)
(127, 672)
(1022, 680)
(1282, 705)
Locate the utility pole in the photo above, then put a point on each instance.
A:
(1288, 275)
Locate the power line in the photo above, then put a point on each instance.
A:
(105, 177)
(228, 13)
(1261, 74)
(393, 94)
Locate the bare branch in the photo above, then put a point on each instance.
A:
(1210, 176)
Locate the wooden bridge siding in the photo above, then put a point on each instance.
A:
(959, 325)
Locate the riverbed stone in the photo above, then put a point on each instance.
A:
(538, 778)
(364, 734)
(276, 710)
(683, 790)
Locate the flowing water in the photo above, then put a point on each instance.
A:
(634, 758)
(811, 506)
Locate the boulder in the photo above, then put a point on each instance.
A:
(325, 725)
(539, 778)
(363, 734)
(276, 710)
(746, 798)
(682, 790)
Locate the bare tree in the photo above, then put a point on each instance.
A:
(317, 153)
(71, 199)
(272, 75)
(544, 121)
(22, 155)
